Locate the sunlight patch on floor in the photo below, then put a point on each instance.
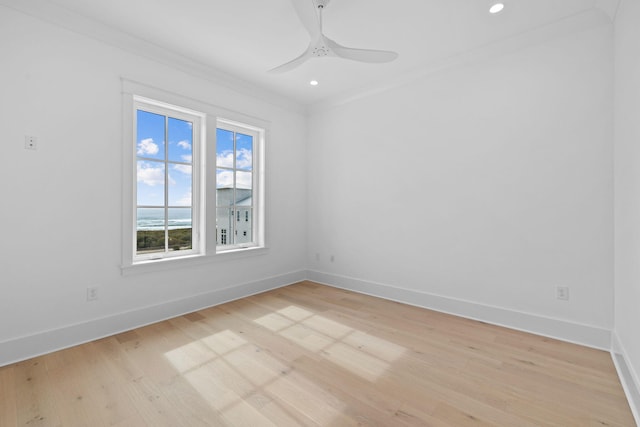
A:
(295, 313)
(190, 356)
(378, 347)
(247, 386)
(307, 338)
(274, 322)
(361, 364)
(363, 354)
(328, 327)
(224, 341)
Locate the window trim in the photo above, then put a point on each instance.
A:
(213, 114)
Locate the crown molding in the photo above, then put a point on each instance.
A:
(585, 20)
(609, 7)
(68, 19)
(73, 21)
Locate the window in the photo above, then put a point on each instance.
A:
(237, 149)
(194, 182)
(167, 143)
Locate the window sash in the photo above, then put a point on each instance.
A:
(169, 111)
(235, 233)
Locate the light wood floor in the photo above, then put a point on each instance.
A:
(313, 355)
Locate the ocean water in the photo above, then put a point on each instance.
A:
(153, 218)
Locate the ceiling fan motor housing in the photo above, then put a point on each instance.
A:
(320, 51)
(321, 3)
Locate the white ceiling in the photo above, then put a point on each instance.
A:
(243, 39)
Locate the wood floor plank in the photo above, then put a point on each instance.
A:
(35, 395)
(8, 404)
(312, 355)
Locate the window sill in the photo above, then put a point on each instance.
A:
(151, 266)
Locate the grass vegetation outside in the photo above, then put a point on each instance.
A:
(153, 240)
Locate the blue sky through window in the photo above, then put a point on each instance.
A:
(153, 132)
(150, 143)
(225, 159)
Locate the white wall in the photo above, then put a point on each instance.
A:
(61, 205)
(627, 192)
(489, 183)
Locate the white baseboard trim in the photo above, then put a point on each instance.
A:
(628, 377)
(586, 335)
(26, 347)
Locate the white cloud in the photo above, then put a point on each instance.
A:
(243, 180)
(185, 169)
(147, 147)
(224, 179)
(184, 145)
(225, 159)
(187, 158)
(244, 160)
(185, 200)
(150, 175)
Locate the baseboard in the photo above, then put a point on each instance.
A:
(553, 328)
(628, 377)
(44, 342)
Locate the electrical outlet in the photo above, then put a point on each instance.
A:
(562, 293)
(92, 293)
(30, 142)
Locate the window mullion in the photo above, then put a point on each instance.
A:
(166, 184)
(235, 192)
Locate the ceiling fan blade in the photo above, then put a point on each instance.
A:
(308, 15)
(288, 66)
(362, 55)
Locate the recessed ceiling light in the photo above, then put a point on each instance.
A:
(313, 83)
(497, 7)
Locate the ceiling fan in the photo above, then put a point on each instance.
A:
(310, 13)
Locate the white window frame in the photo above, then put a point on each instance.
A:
(206, 165)
(257, 187)
(199, 130)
